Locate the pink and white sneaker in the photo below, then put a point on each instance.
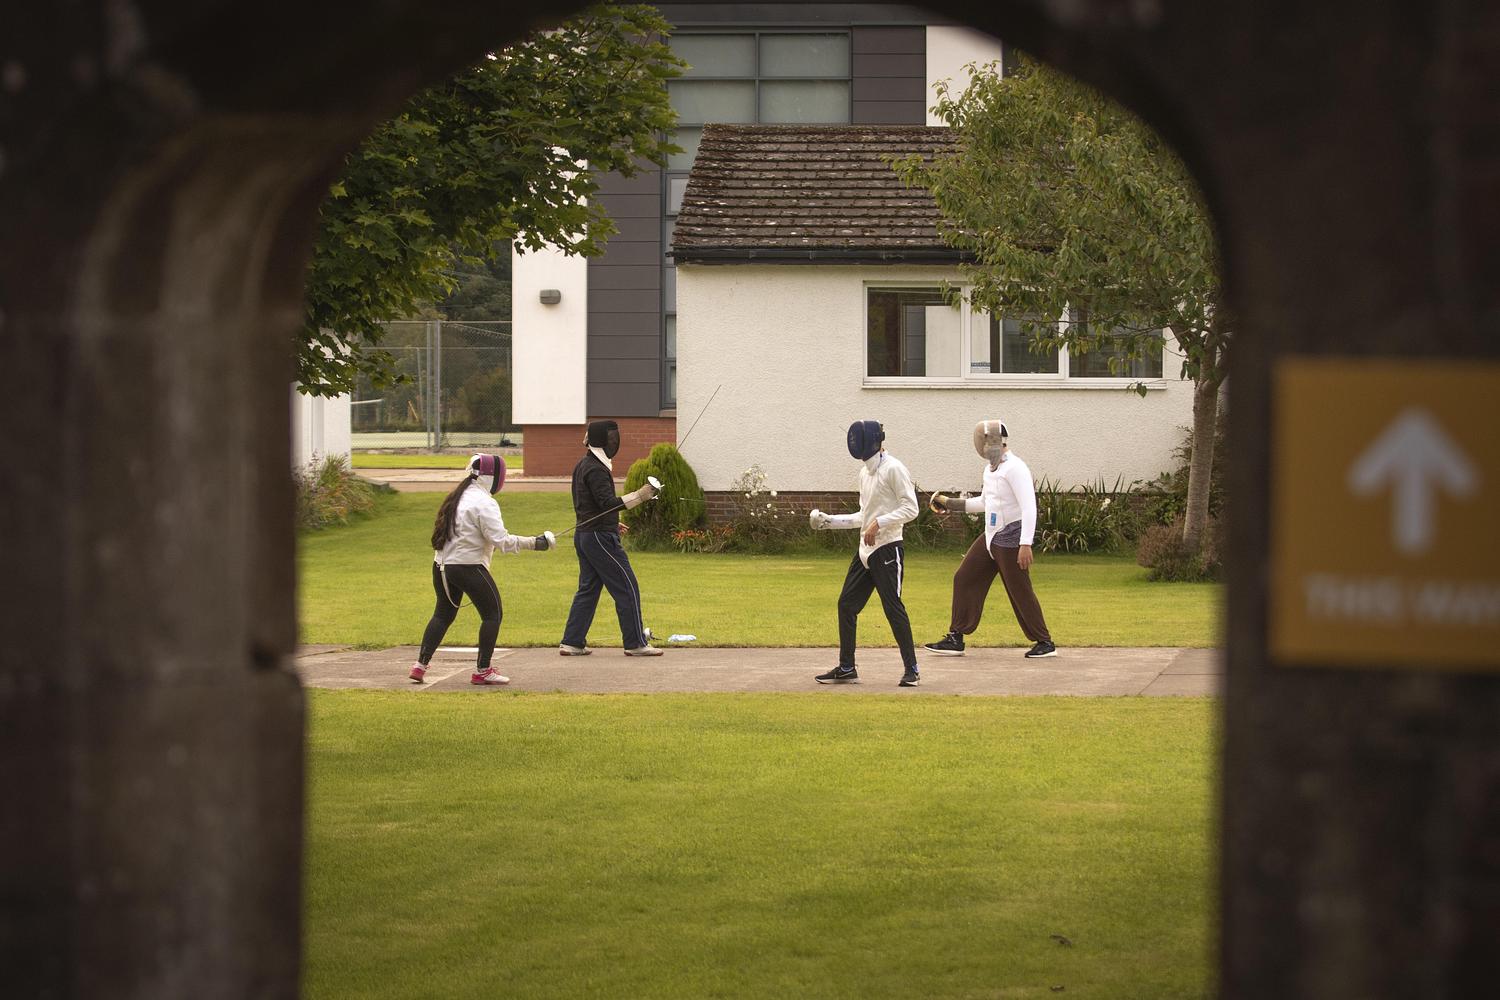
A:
(488, 676)
(418, 673)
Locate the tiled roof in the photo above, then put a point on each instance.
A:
(809, 192)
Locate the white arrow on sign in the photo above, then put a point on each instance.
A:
(1415, 457)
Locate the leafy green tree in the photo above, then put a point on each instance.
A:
(506, 151)
(1083, 226)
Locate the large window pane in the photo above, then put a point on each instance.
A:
(792, 102)
(804, 55)
(1109, 361)
(913, 333)
(671, 338)
(676, 187)
(688, 139)
(700, 101)
(1017, 350)
(716, 55)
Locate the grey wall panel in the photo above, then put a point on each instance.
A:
(906, 41)
(633, 206)
(890, 112)
(631, 252)
(608, 275)
(644, 182)
(616, 345)
(622, 300)
(646, 230)
(603, 325)
(638, 371)
(883, 64)
(889, 88)
(624, 399)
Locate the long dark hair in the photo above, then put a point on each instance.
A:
(442, 528)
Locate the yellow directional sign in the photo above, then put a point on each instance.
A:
(1385, 514)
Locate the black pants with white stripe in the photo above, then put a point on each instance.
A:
(884, 574)
(469, 580)
(603, 565)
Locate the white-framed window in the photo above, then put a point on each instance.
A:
(914, 337)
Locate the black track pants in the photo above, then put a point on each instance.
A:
(887, 566)
(469, 580)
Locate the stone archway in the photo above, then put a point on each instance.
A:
(160, 169)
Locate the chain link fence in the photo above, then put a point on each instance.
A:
(458, 392)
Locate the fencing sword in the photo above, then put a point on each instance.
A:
(656, 483)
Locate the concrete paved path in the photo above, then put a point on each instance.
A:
(1081, 671)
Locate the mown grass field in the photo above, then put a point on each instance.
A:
(495, 844)
(369, 584)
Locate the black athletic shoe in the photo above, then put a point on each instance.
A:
(910, 678)
(1040, 650)
(951, 644)
(839, 675)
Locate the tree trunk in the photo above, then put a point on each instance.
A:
(1201, 464)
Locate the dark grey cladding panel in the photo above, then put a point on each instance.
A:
(889, 88)
(609, 371)
(644, 182)
(643, 250)
(625, 399)
(634, 231)
(616, 345)
(767, 14)
(632, 206)
(887, 64)
(889, 41)
(623, 300)
(603, 325)
(890, 112)
(611, 276)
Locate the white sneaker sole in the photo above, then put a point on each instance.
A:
(944, 652)
(574, 652)
(643, 652)
(1040, 656)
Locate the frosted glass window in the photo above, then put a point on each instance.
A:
(688, 139)
(671, 338)
(804, 55)
(676, 187)
(669, 286)
(716, 55)
(791, 102)
(699, 101)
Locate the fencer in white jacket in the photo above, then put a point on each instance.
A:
(887, 500)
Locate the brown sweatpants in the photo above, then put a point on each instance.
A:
(971, 585)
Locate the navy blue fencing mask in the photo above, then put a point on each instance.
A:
(865, 437)
(605, 435)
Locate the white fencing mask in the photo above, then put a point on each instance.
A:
(989, 441)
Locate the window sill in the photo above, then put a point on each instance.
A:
(1017, 382)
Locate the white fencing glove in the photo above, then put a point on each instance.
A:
(818, 520)
(635, 498)
(943, 503)
(546, 540)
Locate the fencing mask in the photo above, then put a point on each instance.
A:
(605, 435)
(989, 440)
(865, 437)
(490, 466)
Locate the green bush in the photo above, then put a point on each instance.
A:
(1168, 491)
(1092, 518)
(1164, 554)
(678, 508)
(328, 492)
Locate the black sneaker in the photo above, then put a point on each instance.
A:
(951, 644)
(1040, 650)
(839, 675)
(910, 678)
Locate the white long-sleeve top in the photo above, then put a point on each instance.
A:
(886, 496)
(1009, 495)
(478, 530)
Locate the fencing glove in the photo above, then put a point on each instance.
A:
(546, 540)
(635, 498)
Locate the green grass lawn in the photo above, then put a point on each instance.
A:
(495, 844)
(386, 460)
(370, 584)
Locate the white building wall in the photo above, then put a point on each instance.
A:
(949, 49)
(320, 427)
(549, 342)
(786, 344)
